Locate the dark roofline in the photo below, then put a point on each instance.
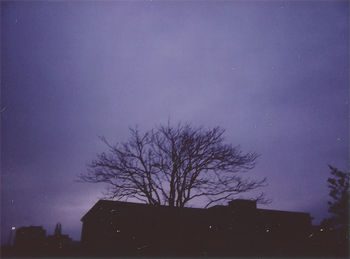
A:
(145, 205)
(283, 211)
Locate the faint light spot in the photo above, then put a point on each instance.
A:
(311, 235)
(118, 230)
(321, 229)
(267, 230)
(339, 139)
(142, 247)
(13, 228)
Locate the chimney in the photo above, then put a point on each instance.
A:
(58, 231)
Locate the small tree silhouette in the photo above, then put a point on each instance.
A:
(339, 192)
(172, 166)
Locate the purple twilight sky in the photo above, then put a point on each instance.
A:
(274, 74)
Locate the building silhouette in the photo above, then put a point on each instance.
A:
(29, 239)
(33, 241)
(114, 227)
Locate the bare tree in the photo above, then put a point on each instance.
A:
(172, 166)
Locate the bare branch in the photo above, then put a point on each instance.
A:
(173, 166)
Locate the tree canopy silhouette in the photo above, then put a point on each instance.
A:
(174, 165)
(339, 192)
